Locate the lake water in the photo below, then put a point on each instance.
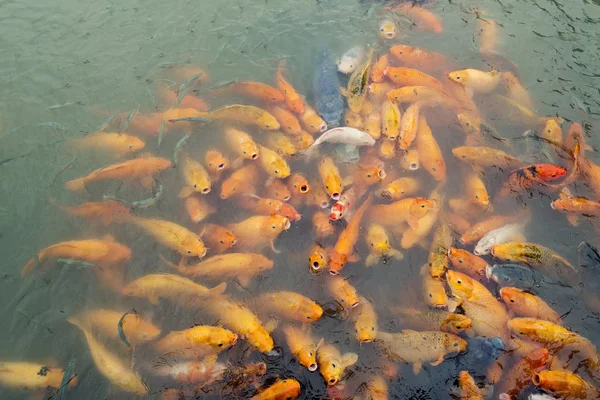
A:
(66, 66)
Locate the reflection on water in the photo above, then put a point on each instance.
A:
(185, 186)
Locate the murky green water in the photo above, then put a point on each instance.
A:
(96, 58)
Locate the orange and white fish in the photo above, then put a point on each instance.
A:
(168, 286)
(198, 208)
(112, 143)
(107, 211)
(259, 231)
(241, 143)
(523, 304)
(478, 230)
(195, 177)
(409, 125)
(429, 151)
(332, 363)
(303, 346)
(257, 90)
(241, 181)
(103, 252)
(143, 169)
(291, 305)
(293, 100)
(218, 238)
(343, 251)
(289, 122)
(106, 322)
(476, 80)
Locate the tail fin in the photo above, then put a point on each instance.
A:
(309, 153)
(218, 290)
(76, 321)
(28, 268)
(76, 185)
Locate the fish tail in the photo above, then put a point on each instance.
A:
(309, 153)
(76, 185)
(28, 268)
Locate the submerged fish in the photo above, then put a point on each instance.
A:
(345, 135)
(512, 275)
(326, 87)
(352, 59)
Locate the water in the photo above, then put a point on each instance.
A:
(93, 59)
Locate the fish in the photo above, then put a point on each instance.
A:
(311, 121)
(523, 304)
(379, 246)
(434, 291)
(537, 257)
(477, 231)
(553, 133)
(372, 124)
(326, 89)
(545, 332)
(467, 263)
(535, 175)
(195, 342)
(302, 140)
(344, 208)
(417, 348)
(425, 20)
(477, 81)
(487, 314)
(365, 321)
(168, 286)
(24, 375)
(241, 143)
(519, 375)
(575, 207)
(516, 91)
(342, 291)
(198, 209)
(378, 72)
(195, 177)
(487, 34)
(293, 100)
(441, 243)
(479, 131)
(378, 91)
(353, 120)
(565, 384)
(387, 28)
(376, 389)
(332, 363)
(409, 160)
(241, 181)
(104, 252)
(318, 258)
(288, 121)
(143, 169)
(344, 247)
(281, 144)
(352, 59)
(282, 389)
(419, 230)
(511, 275)
(475, 190)
(429, 151)
(291, 305)
(387, 149)
(240, 320)
(399, 189)
(267, 206)
(424, 95)
(256, 90)
(218, 238)
(303, 346)
(358, 84)
(206, 371)
(258, 231)
(114, 144)
(107, 211)
(486, 157)
(240, 266)
(110, 366)
(278, 190)
(410, 209)
(172, 235)
(343, 135)
(244, 114)
(412, 77)
(216, 163)
(432, 320)
(418, 57)
(322, 226)
(106, 322)
(390, 120)
(330, 177)
(298, 184)
(467, 388)
(506, 233)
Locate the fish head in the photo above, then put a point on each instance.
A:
(279, 191)
(456, 323)
(279, 169)
(268, 122)
(410, 159)
(465, 153)
(561, 383)
(403, 53)
(421, 206)
(337, 262)
(461, 76)
(290, 212)
(470, 123)
(508, 252)
(455, 344)
(434, 292)
(307, 356)
(387, 29)
(513, 297)
(370, 175)
(222, 338)
(538, 357)
(117, 253)
(522, 327)
(276, 224)
(161, 164)
(261, 340)
(133, 289)
(333, 186)
(194, 248)
(331, 367)
(215, 161)
(550, 172)
(227, 239)
(249, 150)
(460, 284)
(484, 245)
(347, 64)
(299, 184)
(134, 144)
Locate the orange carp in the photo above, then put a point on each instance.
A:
(332, 363)
(218, 238)
(259, 231)
(112, 143)
(291, 305)
(195, 177)
(293, 100)
(303, 346)
(257, 90)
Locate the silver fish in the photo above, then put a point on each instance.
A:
(345, 135)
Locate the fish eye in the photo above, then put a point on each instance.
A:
(131, 146)
(310, 354)
(244, 151)
(195, 186)
(467, 123)
(460, 261)
(512, 300)
(273, 227)
(458, 326)
(422, 205)
(276, 172)
(372, 328)
(476, 196)
(308, 317)
(368, 175)
(221, 241)
(430, 296)
(333, 365)
(220, 344)
(372, 245)
(457, 77)
(326, 186)
(455, 344)
(459, 282)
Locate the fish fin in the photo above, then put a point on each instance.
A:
(29, 268)
(438, 361)
(469, 92)
(453, 303)
(409, 331)
(147, 182)
(348, 181)
(321, 343)
(186, 192)
(573, 219)
(397, 254)
(218, 290)
(153, 299)
(417, 367)
(344, 91)
(349, 359)
(354, 257)
(76, 185)
(518, 237)
(271, 324)
(413, 222)
(273, 247)
(565, 193)
(244, 280)
(371, 260)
